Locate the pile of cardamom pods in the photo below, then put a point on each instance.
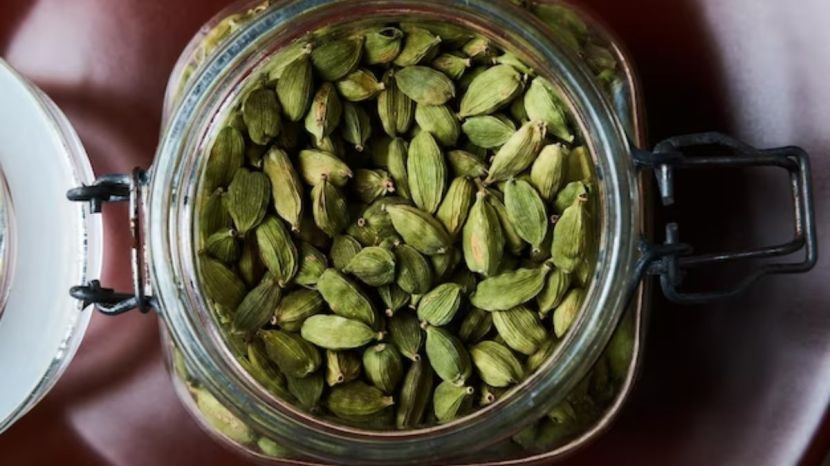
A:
(396, 225)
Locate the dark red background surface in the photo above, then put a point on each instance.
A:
(740, 383)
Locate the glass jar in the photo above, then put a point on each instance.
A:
(210, 76)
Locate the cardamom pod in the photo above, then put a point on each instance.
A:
(414, 274)
(393, 297)
(466, 164)
(476, 325)
(621, 347)
(296, 88)
(342, 367)
(329, 208)
(447, 355)
(490, 395)
(556, 285)
(223, 246)
(356, 126)
(451, 65)
(337, 333)
(261, 112)
(382, 45)
(264, 371)
(312, 264)
(311, 233)
(565, 314)
(357, 399)
(277, 250)
(308, 390)
(508, 58)
(374, 266)
(221, 284)
(406, 333)
(491, 90)
(395, 109)
(248, 197)
(296, 307)
(451, 401)
(440, 121)
(325, 113)
(489, 131)
(425, 85)
(258, 306)
(542, 103)
(510, 289)
(345, 298)
(396, 157)
(518, 152)
(496, 364)
(360, 85)
(372, 184)
(518, 112)
(333, 144)
(479, 49)
(272, 449)
(483, 238)
(439, 306)
(220, 418)
(451, 34)
(279, 61)
(548, 171)
(419, 229)
(513, 242)
(526, 211)
(443, 264)
(419, 46)
(470, 76)
(535, 360)
(416, 393)
(286, 190)
(427, 172)
(570, 236)
(226, 156)
(383, 366)
(337, 58)
(521, 329)
(214, 215)
(343, 249)
(293, 355)
(580, 166)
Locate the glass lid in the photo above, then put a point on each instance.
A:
(47, 244)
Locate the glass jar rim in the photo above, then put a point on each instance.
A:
(172, 254)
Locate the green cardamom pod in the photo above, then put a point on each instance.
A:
(372, 184)
(570, 236)
(393, 297)
(466, 164)
(465, 279)
(451, 65)
(406, 333)
(360, 85)
(342, 367)
(468, 78)
(427, 171)
(316, 166)
(491, 90)
(542, 103)
(419, 229)
(440, 305)
(248, 197)
(414, 300)
(620, 349)
(279, 61)
(325, 113)
(447, 355)
(479, 49)
(272, 449)
(308, 390)
(286, 190)
(526, 211)
(357, 399)
(440, 121)
(296, 307)
(569, 194)
(565, 314)
(221, 419)
(337, 58)
(223, 246)
(226, 156)
(383, 366)
(483, 238)
(221, 284)
(345, 298)
(508, 58)
(521, 329)
(414, 274)
(329, 208)
(374, 266)
(333, 144)
(451, 401)
(419, 45)
(311, 233)
(548, 171)
(476, 325)
(396, 157)
(556, 285)
(312, 264)
(496, 364)
(337, 333)
(514, 243)
(277, 250)
(510, 289)
(451, 34)
(545, 351)
(425, 85)
(443, 264)
(382, 45)
(488, 131)
(296, 88)
(518, 112)
(214, 215)
(343, 249)
(416, 393)
(293, 355)
(264, 371)
(356, 126)
(261, 112)
(518, 152)
(580, 166)
(395, 109)
(490, 395)
(258, 306)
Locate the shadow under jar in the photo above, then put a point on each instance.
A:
(206, 86)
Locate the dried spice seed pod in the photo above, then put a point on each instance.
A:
(293, 355)
(464, 163)
(395, 109)
(382, 45)
(419, 229)
(518, 152)
(440, 121)
(414, 273)
(542, 103)
(416, 393)
(419, 45)
(427, 171)
(489, 91)
(394, 298)
(248, 198)
(374, 266)
(258, 306)
(296, 88)
(452, 65)
(312, 264)
(328, 206)
(325, 113)
(526, 211)
(337, 333)
(277, 250)
(308, 391)
(565, 314)
(357, 399)
(223, 246)
(425, 85)
(496, 364)
(342, 367)
(439, 306)
(483, 239)
(556, 285)
(295, 307)
(383, 366)
(406, 333)
(521, 329)
(221, 284)
(372, 184)
(335, 59)
(226, 156)
(548, 171)
(261, 112)
(286, 190)
(359, 85)
(343, 249)
(357, 128)
(452, 401)
(488, 131)
(447, 355)
(476, 325)
(570, 236)
(345, 298)
(510, 289)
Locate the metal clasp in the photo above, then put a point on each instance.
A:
(672, 259)
(117, 188)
